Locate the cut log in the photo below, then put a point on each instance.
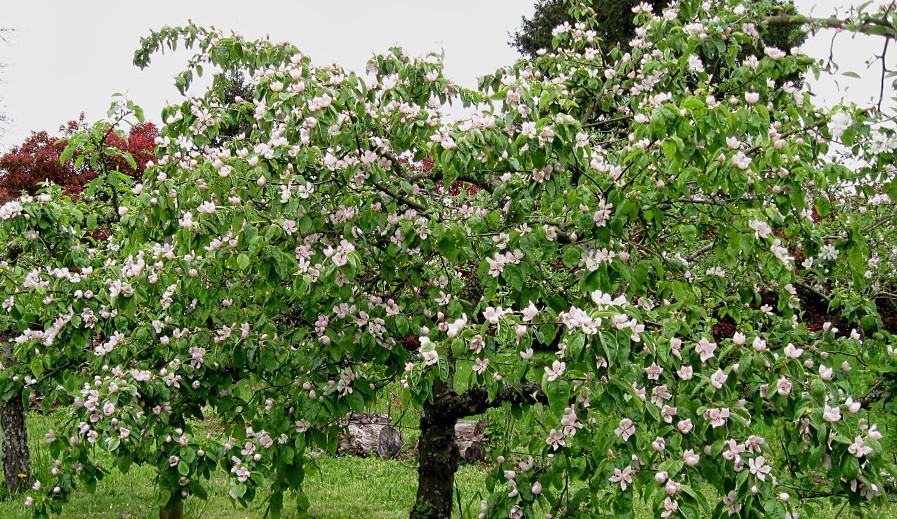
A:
(366, 434)
(470, 436)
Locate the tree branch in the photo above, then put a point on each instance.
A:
(476, 400)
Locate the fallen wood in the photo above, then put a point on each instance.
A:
(367, 433)
(470, 436)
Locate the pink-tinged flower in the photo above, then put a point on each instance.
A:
(626, 429)
(858, 448)
(454, 328)
(668, 412)
(761, 229)
(758, 467)
(793, 352)
(480, 366)
(705, 349)
(659, 394)
(759, 344)
(686, 372)
(831, 414)
(691, 458)
(731, 503)
(623, 477)
(741, 161)
(783, 386)
(555, 439)
(738, 339)
(477, 344)
(537, 488)
(496, 265)
(640, 391)
(717, 416)
(289, 226)
(673, 487)
(653, 371)
(874, 434)
(493, 315)
(826, 373)
(670, 507)
(685, 426)
(732, 450)
(530, 312)
(661, 477)
(754, 443)
(774, 52)
(659, 444)
(430, 357)
(718, 378)
(676, 347)
(752, 97)
(556, 370)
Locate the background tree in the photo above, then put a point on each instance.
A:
(613, 21)
(614, 24)
(40, 161)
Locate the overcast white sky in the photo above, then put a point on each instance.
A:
(67, 57)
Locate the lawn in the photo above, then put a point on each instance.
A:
(341, 487)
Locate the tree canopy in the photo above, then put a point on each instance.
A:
(684, 311)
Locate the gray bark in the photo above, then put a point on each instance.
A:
(16, 454)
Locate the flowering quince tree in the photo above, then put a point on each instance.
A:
(641, 291)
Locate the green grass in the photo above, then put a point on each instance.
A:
(341, 487)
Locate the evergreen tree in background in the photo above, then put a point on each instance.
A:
(615, 19)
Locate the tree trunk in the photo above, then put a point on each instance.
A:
(174, 510)
(438, 459)
(16, 454)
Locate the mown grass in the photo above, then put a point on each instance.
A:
(339, 488)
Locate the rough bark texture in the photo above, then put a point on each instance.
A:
(368, 434)
(438, 453)
(16, 454)
(438, 459)
(172, 511)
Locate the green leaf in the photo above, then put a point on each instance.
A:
(37, 367)
(571, 256)
(558, 393)
(243, 261)
(823, 206)
(774, 509)
(238, 491)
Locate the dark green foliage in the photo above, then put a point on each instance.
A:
(615, 18)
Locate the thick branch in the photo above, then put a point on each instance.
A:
(476, 400)
(401, 198)
(869, 25)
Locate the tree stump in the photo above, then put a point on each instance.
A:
(367, 433)
(470, 436)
